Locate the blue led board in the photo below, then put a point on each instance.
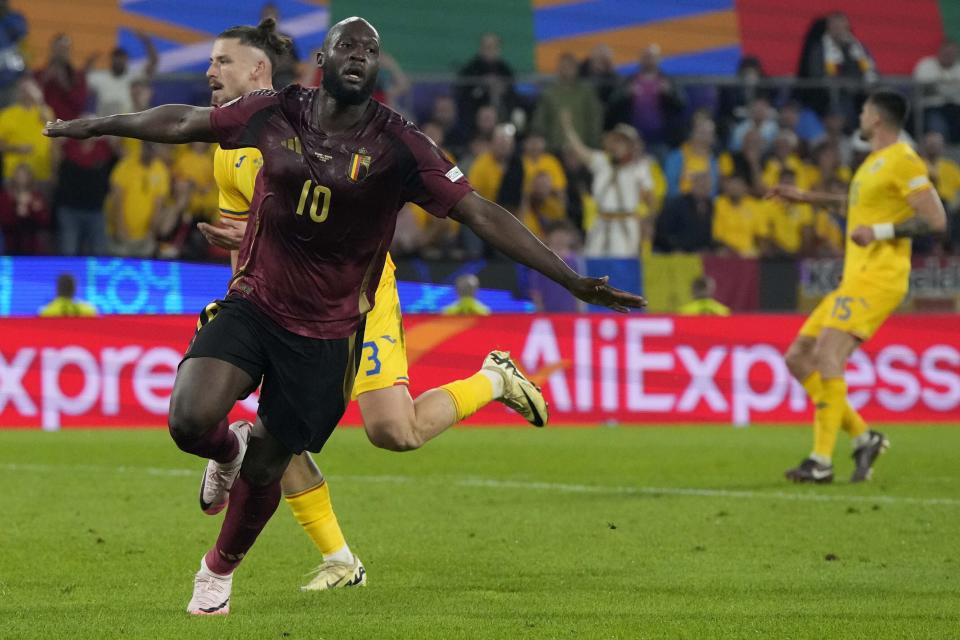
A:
(128, 286)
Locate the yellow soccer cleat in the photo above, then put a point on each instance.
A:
(519, 393)
(337, 575)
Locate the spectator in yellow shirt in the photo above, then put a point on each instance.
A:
(195, 165)
(467, 303)
(703, 304)
(790, 223)
(740, 220)
(543, 205)
(694, 156)
(829, 224)
(827, 165)
(536, 161)
(21, 133)
(66, 304)
(139, 185)
(486, 172)
(785, 156)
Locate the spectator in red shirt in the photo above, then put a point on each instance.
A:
(24, 215)
(83, 182)
(64, 86)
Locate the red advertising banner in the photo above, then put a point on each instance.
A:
(631, 369)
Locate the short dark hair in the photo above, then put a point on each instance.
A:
(66, 286)
(892, 105)
(264, 37)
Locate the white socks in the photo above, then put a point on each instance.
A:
(496, 380)
(341, 555)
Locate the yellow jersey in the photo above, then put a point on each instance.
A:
(740, 225)
(142, 191)
(704, 307)
(878, 194)
(947, 178)
(23, 126)
(61, 307)
(786, 222)
(235, 172)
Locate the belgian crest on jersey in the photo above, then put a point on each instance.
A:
(359, 166)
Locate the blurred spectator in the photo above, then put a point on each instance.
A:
(836, 135)
(940, 75)
(826, 165)
(174, 223)
(195, 165)
(393, 85)
(578, 188)
(140, 185)
(536, 161)
(24, 215)
(568, 93)
(747, 162)
(486, 79)
(286, 70)
(801, 121)
(13, 29)
(761, 117)
(829, 225)
(694, 156)
(622, 182)
(486, 173)
(739, 220)
(66, 304)
(686, 222)
(21, 133)
(654, 101)
(945, 174)
(702, 291)
(547, 295)
(484, 122)
(544, 204)
(467, 303)
(600, 70)
(831, 50)
(82, 187)
(64, 86)
(734, 98)
(111, 87)
(790, 223)
(785, 156)
(454, 133)
(497, 175)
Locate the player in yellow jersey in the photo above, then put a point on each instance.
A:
(241, 62)
(891, 200)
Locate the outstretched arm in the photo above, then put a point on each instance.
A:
(169, 123)
(573, 138)
(501, 229)
(793, 194)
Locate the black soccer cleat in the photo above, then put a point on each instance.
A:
(811, 471)
(865, 455)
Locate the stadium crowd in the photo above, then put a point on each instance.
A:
(598, 163)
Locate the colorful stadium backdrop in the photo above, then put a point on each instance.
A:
(695, 36)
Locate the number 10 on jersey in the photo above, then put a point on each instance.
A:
(319, 193)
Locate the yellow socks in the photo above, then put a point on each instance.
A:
(828, 416)
(851, 422)
(471, 394)
(314, 511)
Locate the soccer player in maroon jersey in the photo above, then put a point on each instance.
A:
(337, 168)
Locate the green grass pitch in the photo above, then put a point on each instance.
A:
(683, 532)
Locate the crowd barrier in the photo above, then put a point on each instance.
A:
(595, 369)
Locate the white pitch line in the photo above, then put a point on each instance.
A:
(523, 485)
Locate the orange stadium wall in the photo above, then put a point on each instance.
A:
(595, 369)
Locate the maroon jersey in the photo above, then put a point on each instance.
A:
(326, 205)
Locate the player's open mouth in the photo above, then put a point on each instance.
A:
(215, 86)
(353, 75)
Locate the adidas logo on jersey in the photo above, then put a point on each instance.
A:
(293, 144)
